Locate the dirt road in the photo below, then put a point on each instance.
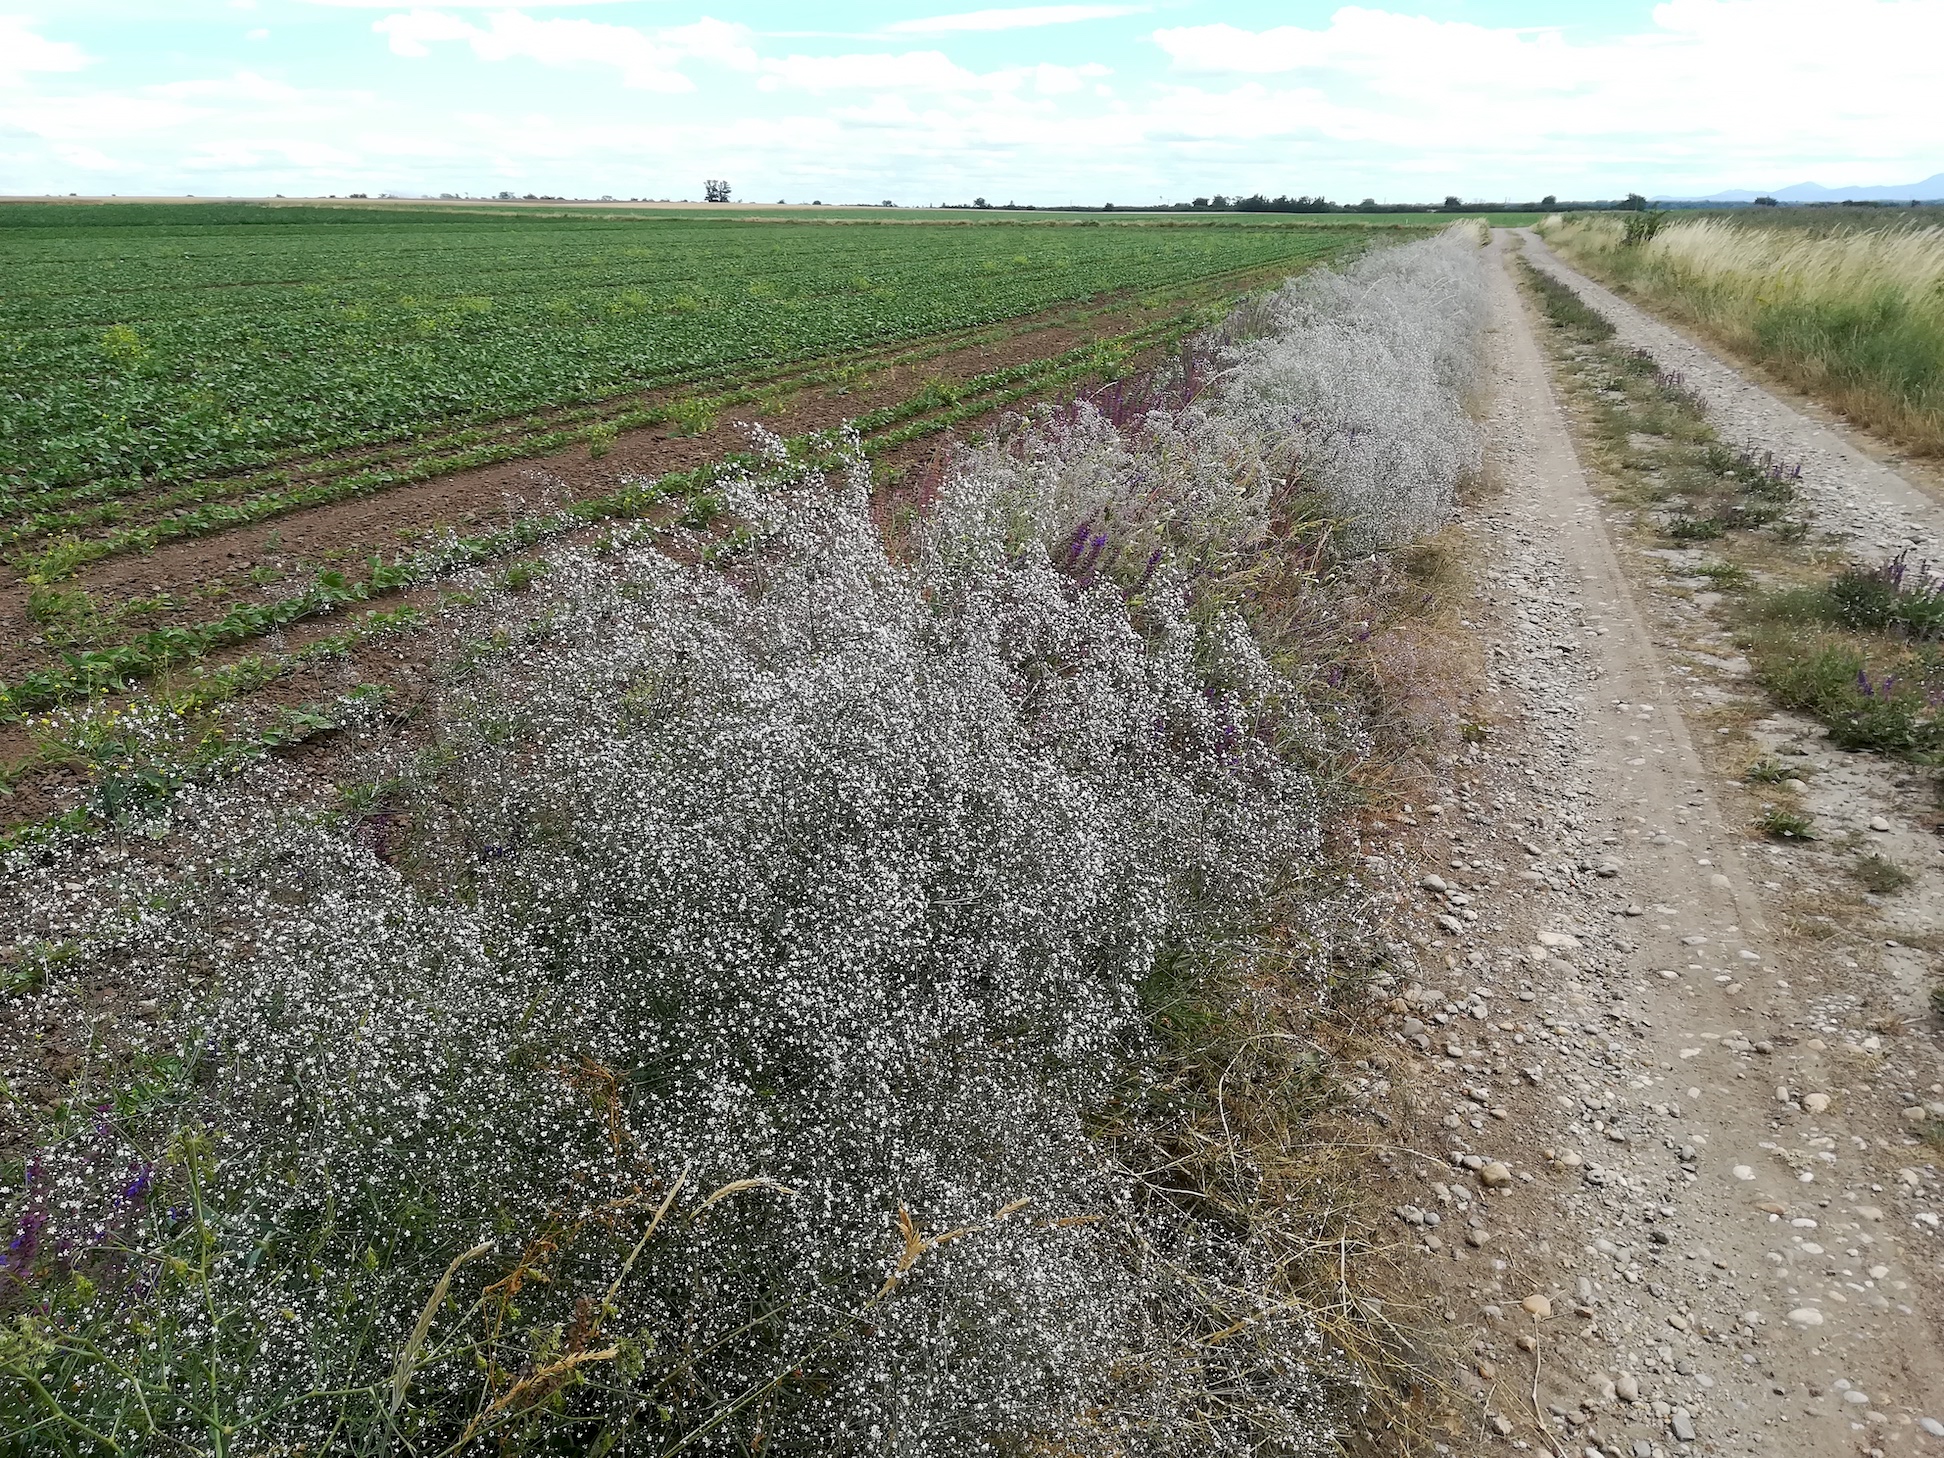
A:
(1667, 1173)
(1853, 492)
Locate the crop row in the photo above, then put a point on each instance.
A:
(84, 673)
(63, 558)
(70, 511)
(169, 354)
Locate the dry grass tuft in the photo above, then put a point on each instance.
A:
(1854, 317)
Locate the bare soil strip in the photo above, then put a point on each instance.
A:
(1665, 1176)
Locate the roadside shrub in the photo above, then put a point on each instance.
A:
(1786, 825)
(1895, 596)
(1861, 708)
(1692, 529)
(1364, 379)
(1881, 875)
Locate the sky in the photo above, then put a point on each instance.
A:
(868, 100)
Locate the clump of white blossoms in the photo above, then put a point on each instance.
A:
(1364, 374)
(809, 905)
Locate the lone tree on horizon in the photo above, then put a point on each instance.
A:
(716, 189)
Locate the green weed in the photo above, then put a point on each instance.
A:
(1693, 529)
(1881, 875)
(1786, 825)
(1726, 576)
(689, 416)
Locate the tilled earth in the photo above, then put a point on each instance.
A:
(1666, 1166)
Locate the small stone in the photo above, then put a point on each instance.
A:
(1806, 1316)
(1500, 1424)
(1476, 1239)
(1627, 1387)
(1434, 883)
(1559, 941)
(1412, 1027)
(1487, 1370)
(1682, 1424)
(1915, 1114)
(1743, 1172)
(1816, 1103)
(1525, 1343)
(1857, 1396)
(1493, 1175)
(1539, 1308)
(1932, 1426)
(1879, 824)
(1869, 1212)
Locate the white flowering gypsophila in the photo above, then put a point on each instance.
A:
(842, 877)
(1364, 375)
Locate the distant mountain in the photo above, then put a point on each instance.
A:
(1928, 190)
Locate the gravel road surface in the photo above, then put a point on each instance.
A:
(1664, 1170)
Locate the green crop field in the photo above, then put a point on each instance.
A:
(143, 344)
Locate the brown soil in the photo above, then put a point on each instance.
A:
(217, 567)
(295, 545)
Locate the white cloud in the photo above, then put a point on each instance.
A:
(22, 51)
(912, 71)
(243, 86)
(1704, 94)
(412, 34)
(646, 62)
(1019, 18)
(1711, 87)
(460, 4)
(254, 156)
(927, 71)
(89, 159)
(1396, 52)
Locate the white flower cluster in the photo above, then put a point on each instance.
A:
(1365, 375)
(834, 873)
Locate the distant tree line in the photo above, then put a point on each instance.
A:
(1260, 203)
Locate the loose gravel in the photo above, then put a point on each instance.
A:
(1659, 1171)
